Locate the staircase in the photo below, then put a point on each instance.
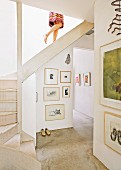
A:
(54, 49)
(8, 92)
(9, 135)
(8, 110)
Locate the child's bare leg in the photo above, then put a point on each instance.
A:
(55, 33)
(55, 27)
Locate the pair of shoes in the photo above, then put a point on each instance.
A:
(45, 38)
(45, 132)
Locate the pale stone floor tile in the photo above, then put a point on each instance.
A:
(69, 149)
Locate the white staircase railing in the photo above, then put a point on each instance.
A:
(52, 50)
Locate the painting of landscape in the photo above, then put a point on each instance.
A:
(112, 74)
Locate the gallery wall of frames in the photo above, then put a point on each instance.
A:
(55, 93)
(51, 93)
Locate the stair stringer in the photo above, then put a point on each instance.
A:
(26, 137)
(55, 48)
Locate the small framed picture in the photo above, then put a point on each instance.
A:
(51, 76)
(65, 76)
(54, 112)
(77, 79)
(87, 79)
(51, 93)
(66, 91)
(112, 131)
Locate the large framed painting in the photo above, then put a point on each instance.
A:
(51, 76)
(111, 74)
(51, 93)
(112, 131)
(54, 112)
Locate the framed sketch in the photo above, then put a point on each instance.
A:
(66, 91)
(65, 76)
(77, 79)
(112, 131)
(51, 76)
(54, 112)
(87, 79)
(51, 93)
(111, 74)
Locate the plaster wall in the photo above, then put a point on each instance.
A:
(29, 106)
(35, 25)
(8, 29)
(104, 13)
(84, 95)
(59, 63)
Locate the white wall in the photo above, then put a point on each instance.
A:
(8, 54)
(59, 63)
(83, 95)
(104, 13)
(35, 25)
(29, 106)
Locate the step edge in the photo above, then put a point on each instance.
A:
(7, 113)
(15, 124)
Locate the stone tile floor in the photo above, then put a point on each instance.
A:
(69, 149)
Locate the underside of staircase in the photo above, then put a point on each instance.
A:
(54, 49)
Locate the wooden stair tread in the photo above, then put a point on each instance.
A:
(7, 113)
(11, 101)
(14, 142)
(5, 128)
(8, 90)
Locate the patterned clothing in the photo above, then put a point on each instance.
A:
(55, 18)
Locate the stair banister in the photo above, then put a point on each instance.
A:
(55, 48)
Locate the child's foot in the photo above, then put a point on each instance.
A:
(45, 38)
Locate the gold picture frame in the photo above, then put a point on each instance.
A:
(111, 75)
(87, 79)
(65, 76)
(51, 93)
(54, 112)
(66, 91)
(78, 79)
(51, 76)
(112, 131)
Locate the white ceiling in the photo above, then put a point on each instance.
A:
(81, 9)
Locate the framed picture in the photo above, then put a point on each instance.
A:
(111, 74)
(51, 76)
(54, 112)
(77, 79)
(66, 91)
(112, 131)
(87, 79)
(65, 76)
(51, 93)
